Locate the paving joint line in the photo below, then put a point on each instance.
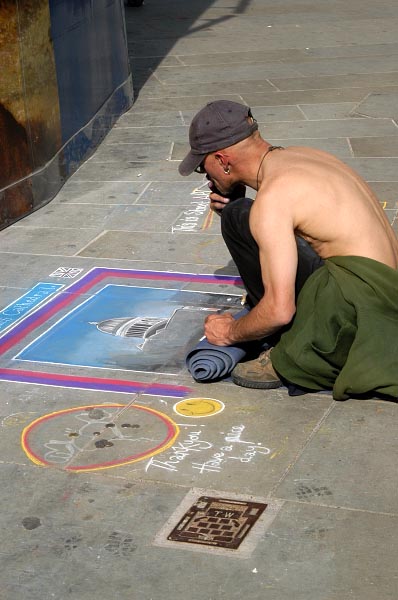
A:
(338, 507)
(303, 448)
(94, 239)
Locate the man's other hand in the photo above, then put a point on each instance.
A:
(218, 329)
(218, 201)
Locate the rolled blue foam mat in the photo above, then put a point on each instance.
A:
(207, 362)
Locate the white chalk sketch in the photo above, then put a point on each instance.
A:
(147, 327)
(66, 272)
(61, 451)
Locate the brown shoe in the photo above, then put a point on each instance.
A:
(258, 374)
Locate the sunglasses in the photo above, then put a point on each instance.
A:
(200, 169)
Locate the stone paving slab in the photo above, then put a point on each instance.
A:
(336, 81)
(224, 73)
(311, 96)
(330, 128)
(383, 104)
(144, 135)
(342, 66)
(376, 169)
(162, 118)
(251, 56)
(374, 146)
(40, 240)
(145, 218)
(101, 192)
(336, 110)
(351, 444)
(146, 103)
(127, 171)
(289, 54)
(290, 35)
(25, 270)
(9, 294)
(68, 216)
(131, 218)
(144, 62)
(114, 153)
(386, 191)
(172, 247)
(63, 540)
(354, 50)
(154, 90)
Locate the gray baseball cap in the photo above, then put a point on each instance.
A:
(218, 125)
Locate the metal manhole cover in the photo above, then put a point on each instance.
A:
(217, 522)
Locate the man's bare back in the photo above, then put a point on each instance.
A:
(332, 208)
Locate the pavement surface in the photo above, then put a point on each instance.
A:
(106, 441)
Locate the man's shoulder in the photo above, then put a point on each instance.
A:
(284, 183)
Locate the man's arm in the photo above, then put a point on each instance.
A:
(271, 223)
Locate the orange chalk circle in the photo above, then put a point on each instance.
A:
(115, 433)
(198, 407)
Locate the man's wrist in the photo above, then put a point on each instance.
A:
(233, 339)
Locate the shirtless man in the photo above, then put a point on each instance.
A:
(302, 194)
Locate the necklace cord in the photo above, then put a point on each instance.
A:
(270, 149)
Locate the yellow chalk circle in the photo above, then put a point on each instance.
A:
(198, 407)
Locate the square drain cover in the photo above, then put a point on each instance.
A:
(217, 522)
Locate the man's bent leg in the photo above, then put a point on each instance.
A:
(244, 250)
(242, 247)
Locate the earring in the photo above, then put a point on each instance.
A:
(227, 171)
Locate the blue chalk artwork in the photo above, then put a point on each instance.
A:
(129, 328)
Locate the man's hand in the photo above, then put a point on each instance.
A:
(218, 201)
(219, 329)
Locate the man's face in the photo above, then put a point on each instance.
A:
(215, 173)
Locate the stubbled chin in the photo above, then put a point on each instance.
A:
(224, 191)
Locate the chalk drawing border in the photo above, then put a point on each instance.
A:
(69, 294)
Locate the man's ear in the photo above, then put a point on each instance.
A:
(222, 159)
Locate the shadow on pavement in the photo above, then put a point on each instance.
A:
(154, 28)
